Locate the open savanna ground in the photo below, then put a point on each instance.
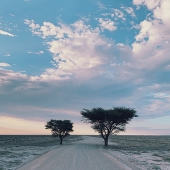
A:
(144, 152)
(147, 152)
(16, 150)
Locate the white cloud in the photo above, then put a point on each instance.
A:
(39, 52)
(79, 51)
(160, 8)
(70, 42)
(137, 26)
(129, 10)
(138, 2)
(33, 27)
(151, 4)
(118, 14)
(156, 107)
(121, 44)
(106, 14)
(102, 6)
(6, 33)
(151, 46)
(7, 55)
(15, 81)
(162, 12)
(107, 24)
(48, 29)
(161, 95)
(4, 65)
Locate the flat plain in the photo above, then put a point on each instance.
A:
(145, 152)
(17, 150)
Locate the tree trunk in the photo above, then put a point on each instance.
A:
(106, 141)
(61, 140)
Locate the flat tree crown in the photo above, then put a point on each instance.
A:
(60, 126)
(116, 115)
(108, 121)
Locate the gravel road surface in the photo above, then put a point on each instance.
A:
(87, 154)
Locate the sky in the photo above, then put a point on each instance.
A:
(58, 57)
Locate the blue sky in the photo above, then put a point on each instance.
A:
(58, 57)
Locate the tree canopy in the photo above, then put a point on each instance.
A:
(60, 128)
(108, 121)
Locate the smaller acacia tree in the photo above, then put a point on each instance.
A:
(60, 128)
(108, 121)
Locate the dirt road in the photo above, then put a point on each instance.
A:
(86, 154)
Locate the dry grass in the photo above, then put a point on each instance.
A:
(18, 150)
(143, 143)
(148, 152)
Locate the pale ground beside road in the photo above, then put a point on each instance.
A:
(86, 154)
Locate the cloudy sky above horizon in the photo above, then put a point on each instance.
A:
(58, 57)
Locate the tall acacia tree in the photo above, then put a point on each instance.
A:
(108, 121)
(60, 128)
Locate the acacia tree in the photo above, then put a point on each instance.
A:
(60, 128)
(108, 121)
